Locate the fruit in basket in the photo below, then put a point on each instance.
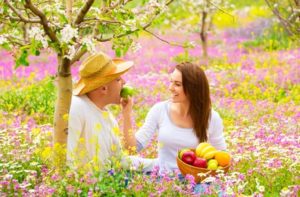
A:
(212, 164)
(188, 157)
(200, 147)
(207, 150)
(183, 151)
(200, 162)
(223, 158)
(210, 154)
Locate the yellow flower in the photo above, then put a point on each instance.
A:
(98, 127)
(132, 148)
(116, 130)
(113, 147)
(81, 140)
(46, 153)
(93, 140)
(66, 117)
(105, 114)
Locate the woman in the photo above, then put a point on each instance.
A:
(183, 121)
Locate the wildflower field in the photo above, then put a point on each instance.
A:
(254, 76)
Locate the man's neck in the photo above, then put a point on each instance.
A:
(97, 100)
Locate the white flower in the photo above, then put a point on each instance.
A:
(154, 3)
(90, 44)
(261, 188)
(209, 179)
(131, 24)
(37, 34)
(71, 52)
(2, 39)
(285, 192)
(192, 44)
(8, 177)
(135, 47)
(68, 33)
(242, 186)
(229, 191)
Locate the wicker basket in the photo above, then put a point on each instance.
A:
(192, 170)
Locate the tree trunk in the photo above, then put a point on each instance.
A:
(63, 101)
(203, 35)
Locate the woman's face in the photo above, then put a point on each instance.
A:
(176, 87)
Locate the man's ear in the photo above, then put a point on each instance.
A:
(104, 89)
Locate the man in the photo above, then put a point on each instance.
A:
(93, 134)
(93, 131)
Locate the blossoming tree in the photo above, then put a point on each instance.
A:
(288, 13)
(71, 28)
(195, 16)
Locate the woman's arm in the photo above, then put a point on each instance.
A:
(216, 137)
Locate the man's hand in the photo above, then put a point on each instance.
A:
(127, 105)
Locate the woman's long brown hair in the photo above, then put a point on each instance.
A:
(196, 87)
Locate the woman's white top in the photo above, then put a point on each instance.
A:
(172, 138)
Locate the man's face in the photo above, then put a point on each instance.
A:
(114, 89)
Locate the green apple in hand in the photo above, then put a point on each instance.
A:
(127, 91)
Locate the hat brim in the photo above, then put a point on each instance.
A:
(85, 85)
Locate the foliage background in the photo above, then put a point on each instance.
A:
(254, 75)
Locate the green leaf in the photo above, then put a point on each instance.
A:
(63, 18)
(118, 52)
(22, 60)
(6, 46)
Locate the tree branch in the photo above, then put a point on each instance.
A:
(165, 41)
(83, 11)
(132, 31)
(106, 9)
(44, 20)
(101, 21)
(222, 10)
(15, 41)
(78, 55)
(20, 16)
(285, 24)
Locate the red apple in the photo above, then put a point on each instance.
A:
(183, 151)
(200, 162)
(188, 157)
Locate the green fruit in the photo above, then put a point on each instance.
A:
(212, 164)
(127, 91)
(212, 161)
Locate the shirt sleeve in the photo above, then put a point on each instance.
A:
(216, 137)
(150, 126)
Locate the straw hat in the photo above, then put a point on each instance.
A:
(97, 70)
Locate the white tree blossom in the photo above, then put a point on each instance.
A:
(71, 52)
(135, 47)
(3, 39)
(68, 33)
(90, 44)
(37, 34)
